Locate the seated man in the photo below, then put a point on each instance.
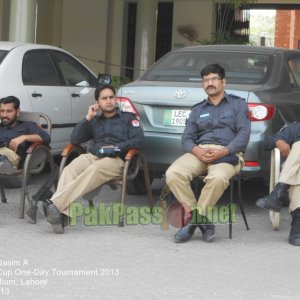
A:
(287, 141)
(216, 133)
(15, 138)
(113, 133)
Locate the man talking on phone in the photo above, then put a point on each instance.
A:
(113, 133)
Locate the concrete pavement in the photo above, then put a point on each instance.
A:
(142, 262)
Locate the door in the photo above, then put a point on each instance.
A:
(47, 94)
(80, 83)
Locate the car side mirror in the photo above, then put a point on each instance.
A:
(104, 79)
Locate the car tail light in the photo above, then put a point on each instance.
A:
(251, 164)
(261, 112)
(126, 105)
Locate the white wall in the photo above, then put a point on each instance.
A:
(115, 37)
(94, 28)
(84, 28)
(199, 13)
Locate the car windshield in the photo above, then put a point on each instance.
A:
(185, 66)
(3, 53)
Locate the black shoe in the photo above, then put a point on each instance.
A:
(55, 218)
(45, 193)
(208, 232)
(294, 238)
(6, 167)
(185, 233)
(30, 215)
(275, 199)
(43, 206)
(42, 194)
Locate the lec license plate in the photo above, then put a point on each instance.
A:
(176, 117)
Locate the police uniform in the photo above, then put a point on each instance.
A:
(290, 171)
(87, 172)
(215, 126)
(21, 128)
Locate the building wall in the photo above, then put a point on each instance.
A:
(49, 20)
(287, 34)
(115, 41)
(4, 13)
(94, 28)
(84, 30)
(198, 13)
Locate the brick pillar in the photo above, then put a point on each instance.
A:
(286, 33)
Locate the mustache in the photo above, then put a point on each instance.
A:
(211, 86)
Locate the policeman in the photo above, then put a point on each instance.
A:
(16, 136)
(113, 133)
(215, 137)
(287, 140)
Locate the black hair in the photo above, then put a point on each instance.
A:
(11, 99)
(213, 68)
(100, 88)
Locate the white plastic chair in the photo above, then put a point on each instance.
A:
(274, 177)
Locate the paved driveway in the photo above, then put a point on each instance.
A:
(142, 262)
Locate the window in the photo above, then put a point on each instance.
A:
(294, 66)
(73, 73)
(39, 70)
(3, 53)
(185, 66)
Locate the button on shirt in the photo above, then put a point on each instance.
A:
(122, 130)
(225, 124)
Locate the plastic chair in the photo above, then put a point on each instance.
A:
(38, 155)
(274, 177)
(134, 160)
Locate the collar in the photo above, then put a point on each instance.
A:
(118, 112)
(225, 98)
(17, 123)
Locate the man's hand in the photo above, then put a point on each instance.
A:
(214, 154)
(14, 143)
(209, 155)
(198, 152)
(283, 147)
(92, 112)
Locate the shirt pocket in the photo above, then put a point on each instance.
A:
(117, 130)
(204, 122)
(227, 120)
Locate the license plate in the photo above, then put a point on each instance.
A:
(176, 117)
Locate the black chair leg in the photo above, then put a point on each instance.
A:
(3, 198)
(230, 211)
(239, 202)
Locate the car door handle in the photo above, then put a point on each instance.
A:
(36, 95)
(75, 95)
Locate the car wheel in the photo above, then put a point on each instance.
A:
(137, 186)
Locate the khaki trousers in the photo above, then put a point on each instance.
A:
(185, 168)
(12, 156)
(82, 175)
(290, 174)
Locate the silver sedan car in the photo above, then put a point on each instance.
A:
(268, 79)
(49, 80)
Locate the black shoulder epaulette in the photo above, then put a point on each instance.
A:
(236, 97)
(198, 103)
